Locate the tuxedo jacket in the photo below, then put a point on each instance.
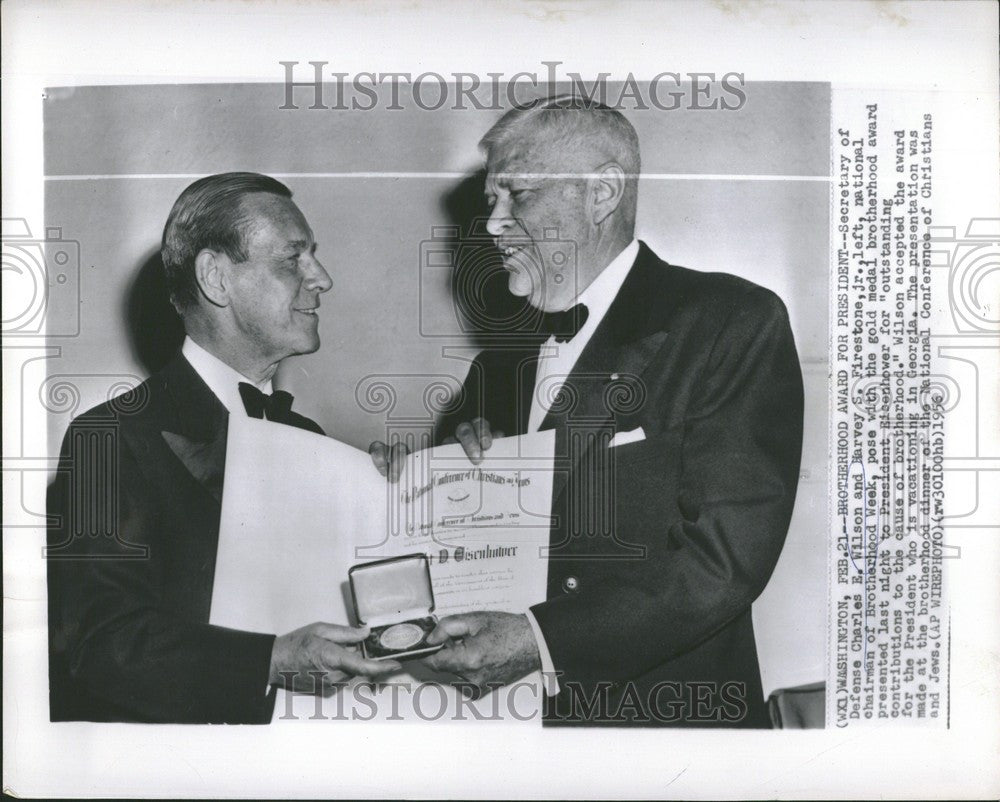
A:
(134, 526)
(658, 547)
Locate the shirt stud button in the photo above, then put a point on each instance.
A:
(571, 584)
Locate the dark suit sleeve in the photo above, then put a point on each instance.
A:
(469, 406)
(113, 639)
(474, 402)
(497, 388)
(714, 528)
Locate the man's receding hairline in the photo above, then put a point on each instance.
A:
(251, 206)
(523, 136)
(260, 195)
(602, 141)
(567, 167)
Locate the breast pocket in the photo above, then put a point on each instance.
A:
(662, 445)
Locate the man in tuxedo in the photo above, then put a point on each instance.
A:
(676, 400)
(136, 502)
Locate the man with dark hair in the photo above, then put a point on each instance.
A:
(137, 499)
(676, 400)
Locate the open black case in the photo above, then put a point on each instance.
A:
(396, 599)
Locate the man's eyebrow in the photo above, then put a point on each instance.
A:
(299, 245)
(506, 179)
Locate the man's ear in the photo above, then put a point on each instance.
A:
(209, 272)
(606, 191)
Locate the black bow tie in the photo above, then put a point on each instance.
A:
(564, 325)
(276, 407)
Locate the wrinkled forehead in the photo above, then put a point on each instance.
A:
(530, 158)
(275, 217)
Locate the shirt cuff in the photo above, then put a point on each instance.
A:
(550, 682)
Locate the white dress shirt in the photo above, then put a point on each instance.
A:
(221, 379)
(555, 362)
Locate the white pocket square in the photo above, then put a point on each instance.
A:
(624, 438)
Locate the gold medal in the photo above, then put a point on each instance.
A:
(401, 636)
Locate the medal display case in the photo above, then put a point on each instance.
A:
(395, 598)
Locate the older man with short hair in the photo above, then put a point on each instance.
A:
(676, 400)
(137, 499)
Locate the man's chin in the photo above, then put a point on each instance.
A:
(533, 299)
(308, 347)
(515, 284)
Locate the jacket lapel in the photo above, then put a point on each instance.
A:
(606, 384)
(196, 426)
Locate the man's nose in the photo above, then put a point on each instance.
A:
(499, 220)
(317, 278)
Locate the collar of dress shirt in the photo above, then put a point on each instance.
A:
(221, 379)
(602, 291)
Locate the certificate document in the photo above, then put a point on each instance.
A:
(300, 509)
